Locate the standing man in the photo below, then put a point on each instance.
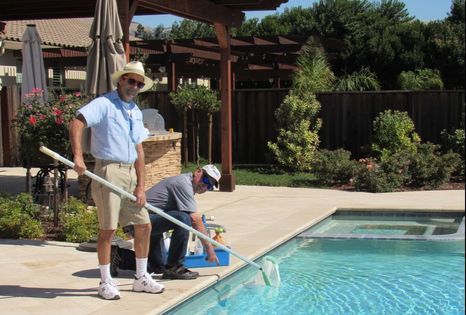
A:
(175, 196)
(117, 132)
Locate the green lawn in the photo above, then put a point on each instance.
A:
(266, 175)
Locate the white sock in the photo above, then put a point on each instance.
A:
(141, 267)
(105, 272)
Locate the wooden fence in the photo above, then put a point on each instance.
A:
(347, 119)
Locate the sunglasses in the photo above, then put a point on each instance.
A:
(139, 84)
(206, 181)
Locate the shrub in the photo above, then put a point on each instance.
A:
(297, 140)
(455, 142)
(333, 167)
(45, 123)
(425, 167)
(393, 132)
(376, 176)
(18, 218)
(298, 125)
(79, 223)
(421, 79)
(429, 168)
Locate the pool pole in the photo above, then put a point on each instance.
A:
(150, 207)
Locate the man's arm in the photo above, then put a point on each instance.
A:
(76, 129)
(197, 224)
(139, 165)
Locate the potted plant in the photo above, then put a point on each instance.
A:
(196, 98)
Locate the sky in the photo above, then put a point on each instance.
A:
(424, 10)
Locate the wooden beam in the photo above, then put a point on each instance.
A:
(227, 181)
(9, 102)
(201, 10)
(223, 35)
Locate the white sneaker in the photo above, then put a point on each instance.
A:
(147, 284)
(108, 290)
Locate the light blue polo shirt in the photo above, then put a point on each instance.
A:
(116, 127)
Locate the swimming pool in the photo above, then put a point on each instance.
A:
(347, 276)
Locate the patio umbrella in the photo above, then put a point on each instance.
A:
(33, 70)
(106, 54)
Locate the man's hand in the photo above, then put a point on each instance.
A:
(79, 165)
(211, 256)
(140, 196)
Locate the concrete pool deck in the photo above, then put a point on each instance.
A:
(54, 278)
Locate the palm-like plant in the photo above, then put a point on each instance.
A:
(314, 74)
(362, 80)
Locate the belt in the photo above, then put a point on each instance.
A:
(107, 162)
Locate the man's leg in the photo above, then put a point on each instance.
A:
(107, 287)
(157, 250)
(104, 243)
(141, 247)
(178, 245)
(108, 205)
(143, 281)
(179, 240)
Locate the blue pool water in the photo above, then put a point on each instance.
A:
(355, 276)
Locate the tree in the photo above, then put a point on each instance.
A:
(445, 46)
(160, 32)
(456, 14)
(249, 28)
(196, 98)
(272, 25)
(191, 29)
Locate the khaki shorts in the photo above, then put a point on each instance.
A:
(111, 208)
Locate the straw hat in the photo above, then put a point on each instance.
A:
(135, 67)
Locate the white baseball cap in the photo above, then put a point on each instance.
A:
(213, 173)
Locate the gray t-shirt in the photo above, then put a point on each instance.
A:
(173, 193)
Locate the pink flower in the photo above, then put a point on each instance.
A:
(42, 117)
(57, 112)
(77, 94)
(37, 91)
(32, 120)
(59, 120)
(62, 98)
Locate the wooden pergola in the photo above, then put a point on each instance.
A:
(222, 14)
(253, 58)
(267, 59)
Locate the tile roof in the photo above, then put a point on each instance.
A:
(71, 32)
(57, 32)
